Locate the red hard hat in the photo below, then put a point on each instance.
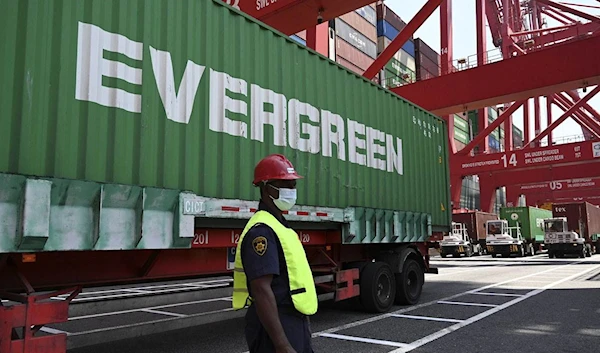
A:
(274, 166)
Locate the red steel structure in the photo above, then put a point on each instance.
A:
(518, 31)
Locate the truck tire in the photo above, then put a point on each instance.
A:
(377, 287)
(409, 283)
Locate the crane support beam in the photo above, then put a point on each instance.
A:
(293, 16)
(514, 79)
(568, 113)
(401, 38)
(526, 160)
(588, 125)
(570, 10)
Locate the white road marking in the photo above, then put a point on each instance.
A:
(151, 308)
(466, 304)
(498, 294)
(154, 289)
(53, 331)
(418, 343)
(427, 318)
(418, 306)
(152, 311)
(364, 340)
(120, 327)
(137, 291)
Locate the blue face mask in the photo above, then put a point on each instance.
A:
(286, 199)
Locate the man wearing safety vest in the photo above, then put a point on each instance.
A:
(272, 275)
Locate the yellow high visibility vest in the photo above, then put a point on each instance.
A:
(302, 285)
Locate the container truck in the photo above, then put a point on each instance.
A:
(475, 223)
(573, 229)
(128, 136)
(459, 242)
(531, 223)
(502, 239)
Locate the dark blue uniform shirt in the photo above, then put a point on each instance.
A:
(270, 262)
(262, 255)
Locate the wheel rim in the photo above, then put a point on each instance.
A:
(384, 288)
(412, 283)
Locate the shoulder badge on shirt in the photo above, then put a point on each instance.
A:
(260, 245)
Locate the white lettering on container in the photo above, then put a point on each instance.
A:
(220, 103)
(92, 41)
(178, 107)
(261, 98)
(297, 109)
(355, 142)
(329, 120)
(308, 128)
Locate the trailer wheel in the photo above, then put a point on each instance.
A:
(377, 287)
(409, 283)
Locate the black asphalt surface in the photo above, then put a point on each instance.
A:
(564, 318)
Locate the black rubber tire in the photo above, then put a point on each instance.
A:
(377, 287)
(443, 255)
(494, 254)
(522, 252)
(409, 283)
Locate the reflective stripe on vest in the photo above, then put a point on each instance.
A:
(302, 285)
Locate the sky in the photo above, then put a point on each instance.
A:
(465, 45)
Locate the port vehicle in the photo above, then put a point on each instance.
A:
(530, 221)
(573, 229)
(501, 239)
(459, 243)
(474, 221)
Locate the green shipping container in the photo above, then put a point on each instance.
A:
(461, 124)
(461, 136)
(397, 69)
(188, 96)
(530, 219)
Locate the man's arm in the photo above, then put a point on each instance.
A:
(266, 308)
(261, 262)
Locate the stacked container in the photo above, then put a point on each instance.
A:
(300, 37)
(354, 37)
(427, 61)
(401, 69)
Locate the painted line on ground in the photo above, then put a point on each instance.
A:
(152, 322)
(427, 318)
(418, 306)
(364, 340)
(152, 311)
(151, 308)
(418, 343)
(209, 284)
(498, 294)
(466, 304)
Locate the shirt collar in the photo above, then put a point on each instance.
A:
(262, 206)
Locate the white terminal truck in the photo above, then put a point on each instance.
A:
(559, 240)
(458, 242)
(504, 240)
